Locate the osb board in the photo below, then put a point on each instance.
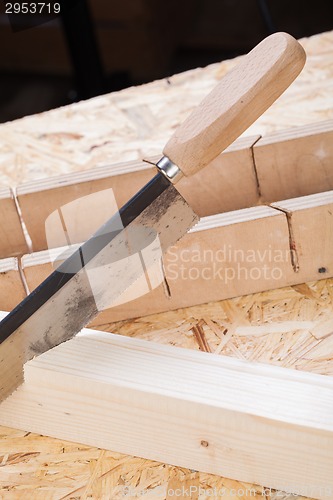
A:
(126, 126)
(137, 122)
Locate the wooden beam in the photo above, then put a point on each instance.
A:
(209, 192)
(295, 162)
(228, 255)
(12, 290)
(12, 241)
(220, 417)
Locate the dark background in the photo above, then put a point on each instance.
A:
(99, 46)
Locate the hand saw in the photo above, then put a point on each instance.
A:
(91, 277)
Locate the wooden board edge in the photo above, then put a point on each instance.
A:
(294, 133)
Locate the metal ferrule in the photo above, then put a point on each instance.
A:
(169, 169)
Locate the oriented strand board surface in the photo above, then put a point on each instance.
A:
(279, 327)
(137, 122)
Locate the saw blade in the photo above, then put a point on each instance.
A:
(93, 278)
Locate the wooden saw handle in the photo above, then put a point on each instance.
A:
(236, 102)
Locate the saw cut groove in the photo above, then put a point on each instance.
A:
(292, 242)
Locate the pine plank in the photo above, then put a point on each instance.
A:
(221, 417)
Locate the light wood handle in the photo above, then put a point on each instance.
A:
(236, 102)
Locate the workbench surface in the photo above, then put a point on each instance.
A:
(135, 124)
